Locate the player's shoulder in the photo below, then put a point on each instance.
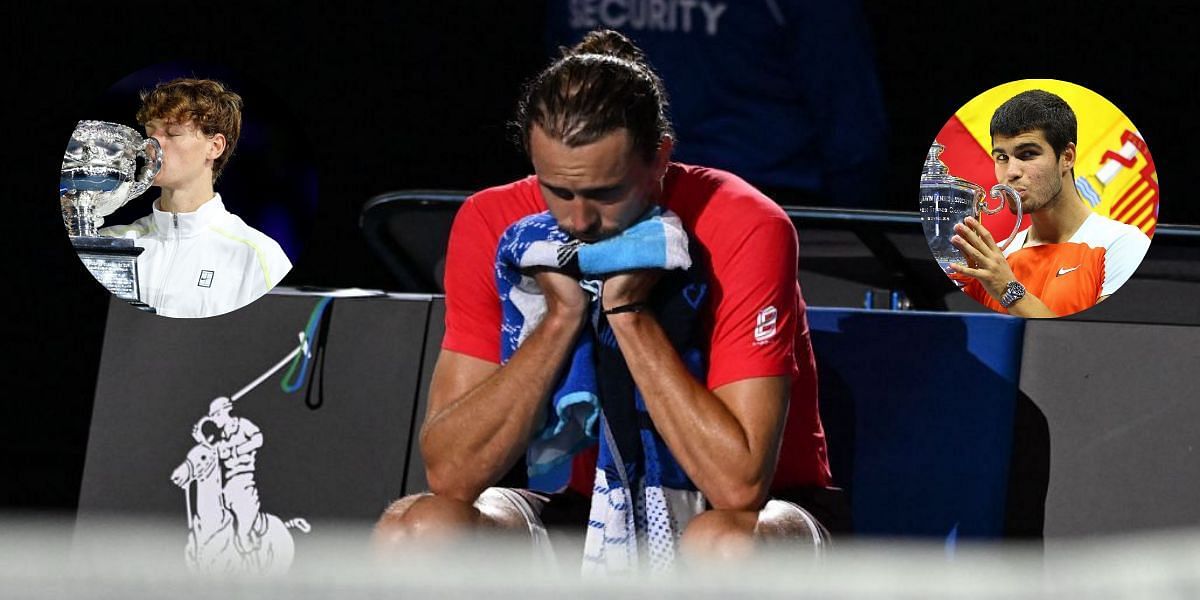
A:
(498, 197)
(500, 205)
(237, 230)
(1102, 232)
(246, 245)
(721, 200)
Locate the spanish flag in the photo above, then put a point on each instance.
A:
(1114, 172)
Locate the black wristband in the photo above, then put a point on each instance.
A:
(624, 308)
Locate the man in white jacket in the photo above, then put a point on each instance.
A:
(200, 260)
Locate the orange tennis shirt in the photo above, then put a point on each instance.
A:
(1072, 276)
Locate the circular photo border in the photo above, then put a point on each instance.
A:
(1114, 177)
(268, 196)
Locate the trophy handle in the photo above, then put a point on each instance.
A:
(997, 191)
(151, 152)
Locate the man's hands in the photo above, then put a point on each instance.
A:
(629, 288)
(564, 297)
(990, 267)
(985, 259)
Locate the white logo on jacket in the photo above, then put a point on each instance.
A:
(764, 328)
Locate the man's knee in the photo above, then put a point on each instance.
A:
(424, 517)
(726, 534)
(719, 534)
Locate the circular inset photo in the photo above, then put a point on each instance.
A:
(184, 191)
(1039, 198)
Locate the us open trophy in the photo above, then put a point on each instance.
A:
(946, 200)
(99, 175)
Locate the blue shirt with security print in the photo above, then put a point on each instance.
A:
(781, 92)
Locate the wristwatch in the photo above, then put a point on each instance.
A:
(1013, 291)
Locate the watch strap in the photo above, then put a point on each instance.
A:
(1013, 291)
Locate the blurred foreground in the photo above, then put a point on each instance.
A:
(127, 559)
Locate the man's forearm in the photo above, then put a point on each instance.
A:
(1031, 306)
(476, 437)
(723, 459)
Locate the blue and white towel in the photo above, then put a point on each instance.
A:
(642, 499)
(658, 241)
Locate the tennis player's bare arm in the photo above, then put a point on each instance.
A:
(727, 440)
(482, 415)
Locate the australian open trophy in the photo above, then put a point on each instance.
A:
(99, 175)
(946, 200)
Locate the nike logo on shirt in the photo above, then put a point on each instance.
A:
(1064, 271)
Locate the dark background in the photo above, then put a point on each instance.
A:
(416, 95)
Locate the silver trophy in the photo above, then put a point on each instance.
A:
(99, 175)
(946, 200)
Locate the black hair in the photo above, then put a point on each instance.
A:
(1037, 110)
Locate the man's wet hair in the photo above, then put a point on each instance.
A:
(601, 84)
(1037, 110)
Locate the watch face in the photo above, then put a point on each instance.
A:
(1048, 148)
(1012, 292)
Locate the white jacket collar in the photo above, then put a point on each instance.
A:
(192, 223)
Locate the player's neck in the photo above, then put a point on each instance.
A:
(185, 199)
(1060, 219)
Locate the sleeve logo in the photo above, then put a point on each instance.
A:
(765, 328)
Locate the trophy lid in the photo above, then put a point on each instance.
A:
(935, 172)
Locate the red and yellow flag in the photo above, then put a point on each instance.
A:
(1114, 172)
